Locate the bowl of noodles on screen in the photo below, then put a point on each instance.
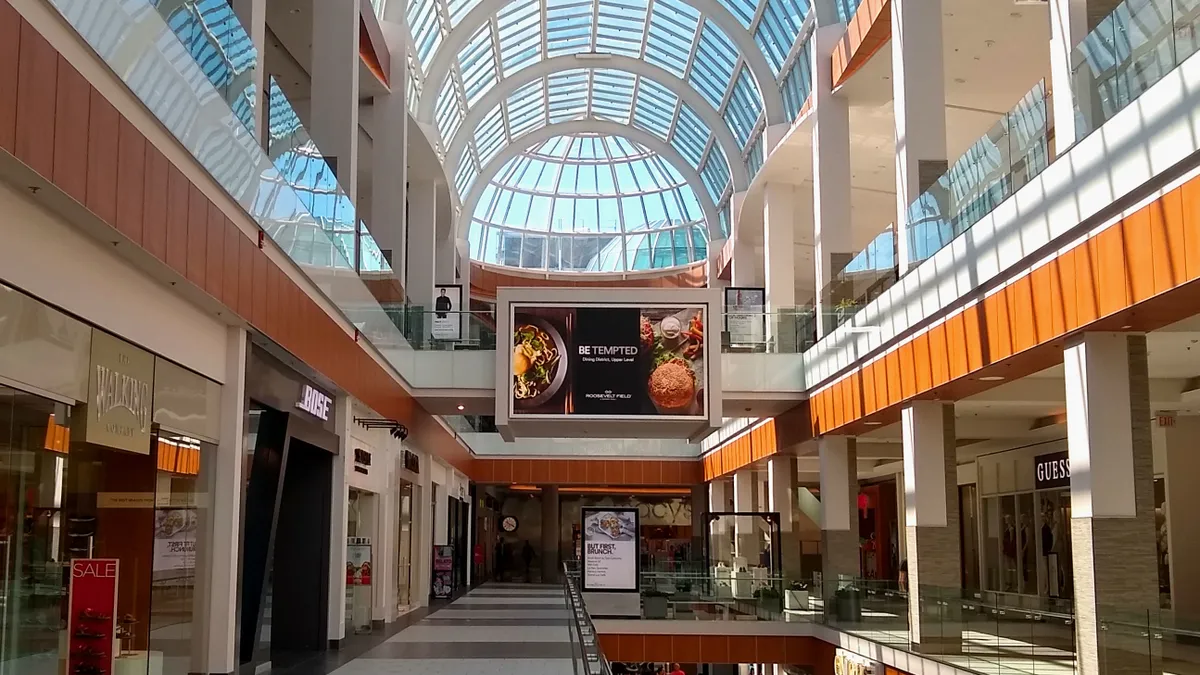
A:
(539, 362)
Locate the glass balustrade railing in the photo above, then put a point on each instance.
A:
(1012, 152)
(865, 277)
(1128, 52)
(290, 193)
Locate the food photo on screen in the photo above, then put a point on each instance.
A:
(540, 361)
(610, 526)
(608, 361)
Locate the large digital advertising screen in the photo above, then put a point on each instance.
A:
(610, 549)
(608, 361)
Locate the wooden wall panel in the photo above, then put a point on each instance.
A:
(37, 84)
(154, 204)
(10, 58)
(178, 189)
(71, 106)
(131, 181)
(104, 125)
(214, 256)
(197, 236)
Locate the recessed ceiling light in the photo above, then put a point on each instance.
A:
(1126, 327)
(991, 378)
(872, 423)
(461, 407)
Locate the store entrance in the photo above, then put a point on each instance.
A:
(285, 564)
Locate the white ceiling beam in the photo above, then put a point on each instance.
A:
(485, 105)
(644, 138)
(447, 54)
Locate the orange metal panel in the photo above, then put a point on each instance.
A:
(1110, 271)
(1042, 303)
(539, 471)
(652, 472)
(714, 649)
(197, 236)
(1168, 241)
(908, 370)
(177, 219)
(1087, 290)
(1138, 254)
(742, 649)
(771, 649)
(891, 363)
(939, 356)
(1189, 208)
(974, 333)
(522, 471)
(870, 403)
(1020, 314)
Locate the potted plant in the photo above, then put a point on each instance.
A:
(769, 600)
(796, 597)
(654, 604)
(847, 604)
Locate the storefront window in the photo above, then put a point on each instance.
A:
(63, 500)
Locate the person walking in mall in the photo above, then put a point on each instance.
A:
(527, 556)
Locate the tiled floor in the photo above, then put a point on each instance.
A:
(497, 629)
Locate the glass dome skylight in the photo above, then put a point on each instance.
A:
(588, 203)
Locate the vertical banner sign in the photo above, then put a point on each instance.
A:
(447, 312)
(745, 318)
(611, 560)
(443, 571)
(358, 561)
(92, 615)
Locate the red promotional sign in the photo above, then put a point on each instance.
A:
(91, 621)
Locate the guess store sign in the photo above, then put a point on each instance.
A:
(92, 622)
(1052, 471)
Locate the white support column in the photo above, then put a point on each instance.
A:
(1112, 495)
(422, 243)
(745, 264)
(839, 508)
(253, 16)
(464, 278)
(831, 175)
(779, 241)
(720, 547)
(1068, 27)
(745, 544)
(919, 101)
(333, 119)
(782, 479)
(383, 549)
(338, 514)
(215, 603)
(389, 156)
(931, 522)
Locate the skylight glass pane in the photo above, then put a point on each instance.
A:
(520, 36)
(568, 95)
(778, 29)
(713, 68)
(489, 138)
(797, 83)
(458, 10)
(612, 95)
(744, 107)
(423, 23)
(477, 62)
(714, 173)
(620, 26)
(672, 33)
(448, 113)
(691, 135)
(654, 108)
(526, 108)
(568, 27)
(742, 10)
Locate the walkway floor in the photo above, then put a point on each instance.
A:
(496, 629)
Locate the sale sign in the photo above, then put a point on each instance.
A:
(358, 561)
(92, 612)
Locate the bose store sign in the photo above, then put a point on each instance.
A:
(314, 403)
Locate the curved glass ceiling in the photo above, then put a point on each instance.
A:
(733, 57)
(588, 203)
(611, 95)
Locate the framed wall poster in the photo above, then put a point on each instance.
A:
(443, 571)
(447, 311)
(611, 549)
(92, 615)
(745, 314)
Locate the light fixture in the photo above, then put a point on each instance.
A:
(1126, 327)
(461, 406)
(872, 423)
(991, 378)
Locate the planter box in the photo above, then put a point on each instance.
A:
(654, 607)
(795, 600)
(769, 608)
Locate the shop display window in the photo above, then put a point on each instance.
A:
(1026, 548)
(404, 547)
(62, 499)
